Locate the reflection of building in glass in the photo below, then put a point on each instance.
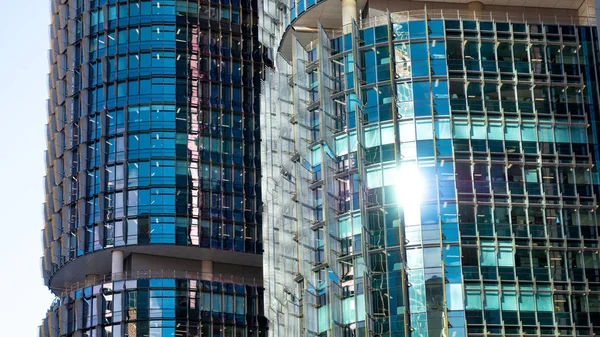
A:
(431, 171)
(152, 209)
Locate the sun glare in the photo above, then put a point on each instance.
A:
(410, 185)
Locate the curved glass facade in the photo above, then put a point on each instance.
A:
(297, 8)
(438, 178)
(158, 307)
(152, 140)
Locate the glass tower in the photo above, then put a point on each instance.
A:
(431, 172)
(153, 220)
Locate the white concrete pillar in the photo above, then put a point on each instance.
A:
(117, 264)
(91, 279)
(475, 6)
(348, 11)
(207, 269)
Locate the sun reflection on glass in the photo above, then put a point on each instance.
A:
(410, 185)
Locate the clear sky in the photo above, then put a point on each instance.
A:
(23, 93)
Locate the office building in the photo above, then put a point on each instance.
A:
(152, 214)
(431, 168)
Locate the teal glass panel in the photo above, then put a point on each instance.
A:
(372, 137)
(505, 257)
(323, 318)
(317, 155)
(578, 135)
(509, 300)
(460, 130)
(511, 132)
(545, 133)
(352, 142)
(561, 134)
(528, 133)
(349, 310)
(478, 130)
(356, 228)
(360, 306)
(531, 176)
(544, 302)
(526, 301)
(488, 256)
(345, 227)
(341, 145)
(473, 300)
(495, 131)
(491, 300)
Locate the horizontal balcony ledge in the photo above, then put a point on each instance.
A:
(99, 263)
(155, 274)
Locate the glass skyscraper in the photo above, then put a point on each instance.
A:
(152, 214)
(431, 169)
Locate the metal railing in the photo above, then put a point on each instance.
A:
(499, 16)
(439, 14)
(154, 274)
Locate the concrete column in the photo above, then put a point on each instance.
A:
(475, 6)
(207, 269)
(91, 279)
(348, 11)
(117, 264)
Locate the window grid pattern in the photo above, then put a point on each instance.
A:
(500, 121)
(152, 128)
(158, 307)
(152, 118)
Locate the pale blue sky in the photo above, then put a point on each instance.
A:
(23, 93)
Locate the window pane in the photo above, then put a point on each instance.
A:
(372, 137)
(473, 300)
(526, 302)
(511, 132)
(509, 301)
(387, 134)
(488, 256)
(544, 302)
(442, 129)
(505, 258)
(407, 132)
(461, 130)
(528, 133)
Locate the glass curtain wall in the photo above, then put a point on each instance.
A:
(153, 135)
(463, 179)
(159, 308)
